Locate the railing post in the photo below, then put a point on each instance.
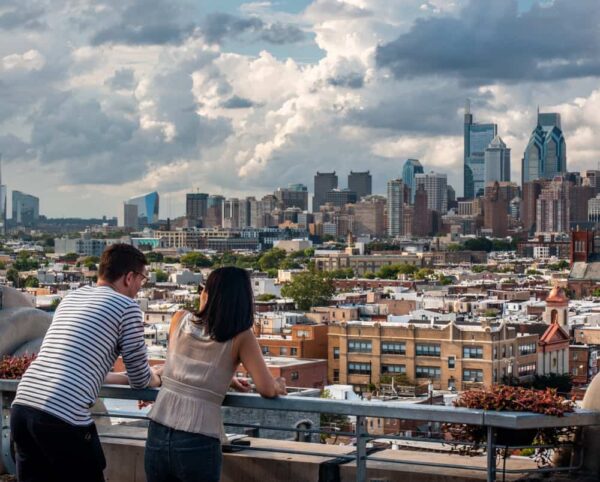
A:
(361, 449)
(7, 460)
(491, 455)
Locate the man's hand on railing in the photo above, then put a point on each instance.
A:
(156, 376)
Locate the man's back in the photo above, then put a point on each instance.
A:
(91, 327)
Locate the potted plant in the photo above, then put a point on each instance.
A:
(512, 399)
(12, 367)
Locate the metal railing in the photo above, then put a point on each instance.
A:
(362, 410)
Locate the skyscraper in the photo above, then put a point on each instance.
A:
(496, 162)
(340, 197)
(293, 196)
(231, 213)
(421, 224)
(436, 187)
(546, 152)
(214, 211)
(147, 208)
(369, 216)
(476, 138)
(25, 208)
(3, 193)
(395, 205)
(409, 170)
(196, 205)
(552, 208)
(360, 183)
(324, 182)
(495, 210)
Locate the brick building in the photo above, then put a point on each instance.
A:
(452, 355)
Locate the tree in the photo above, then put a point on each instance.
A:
(32, 282)
(25, 263)
(341, 273)
(161, 276)
(13, 275)
(309, 289)
(195, 260)
(271, 259)
(266, 297)
(478, 244)
(423, 273)
(70, 257)
(153, 257)
(392, 271)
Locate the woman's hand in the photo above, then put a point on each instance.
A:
(240, 384)
(280, 387)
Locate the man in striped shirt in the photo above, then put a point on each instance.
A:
(55, 437)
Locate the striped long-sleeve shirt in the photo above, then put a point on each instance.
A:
(90, 329)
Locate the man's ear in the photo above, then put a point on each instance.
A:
(128, 278)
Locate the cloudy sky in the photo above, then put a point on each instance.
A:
(106, 99)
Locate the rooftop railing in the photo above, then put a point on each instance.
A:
(362, 410)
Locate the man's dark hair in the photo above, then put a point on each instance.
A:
(118, 260)
(229, 309)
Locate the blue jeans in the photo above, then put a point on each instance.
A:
(176, 456)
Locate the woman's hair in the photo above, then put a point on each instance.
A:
(229, 309)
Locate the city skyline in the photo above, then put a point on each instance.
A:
(241, 98)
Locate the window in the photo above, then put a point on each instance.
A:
(393, 369)
(428, 372)
(302, 334)
(336, 376)
(359, 368)
(393, 348)
(294, 351)
(427, 350)
(495, 353)
(283, 351)
(359, 346)
(294, 375)
(265, 350)
(472, 352)
(451, 362)
(527, 349)
(336, 352)
(528, 369)
(503, 351)
(510, 351)
(470, 375)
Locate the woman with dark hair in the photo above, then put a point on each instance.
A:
(185, 432)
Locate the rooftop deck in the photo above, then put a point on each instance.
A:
(267, 459)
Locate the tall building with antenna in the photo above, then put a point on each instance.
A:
(476, 138)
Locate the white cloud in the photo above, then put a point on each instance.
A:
(167, 111)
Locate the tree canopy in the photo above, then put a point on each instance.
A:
(309, 289)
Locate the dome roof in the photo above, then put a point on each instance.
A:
(557, 295)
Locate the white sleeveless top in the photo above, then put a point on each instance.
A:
(196, 377)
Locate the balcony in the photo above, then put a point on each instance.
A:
(365, 457)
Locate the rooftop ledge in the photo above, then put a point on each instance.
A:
(272, 460)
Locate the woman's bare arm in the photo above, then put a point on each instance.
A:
(250, 355)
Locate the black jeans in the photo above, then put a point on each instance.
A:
(176, 456)
(47, 449)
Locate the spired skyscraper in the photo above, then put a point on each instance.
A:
(546, 153)
(411, 168)
(476, 138)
